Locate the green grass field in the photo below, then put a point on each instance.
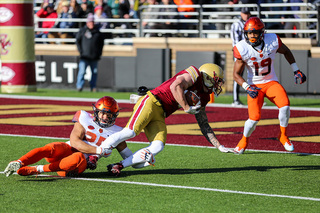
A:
(184, 179)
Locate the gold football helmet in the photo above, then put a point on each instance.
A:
(213, 77)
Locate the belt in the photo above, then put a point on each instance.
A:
(160, 102)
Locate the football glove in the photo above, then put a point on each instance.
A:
(253, 91)
(92, 162)
(194, 109)
(224, 149)
(299, 77)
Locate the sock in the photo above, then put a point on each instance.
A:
(40, 168)
(243, 143)
(125, 153)
(283, 138)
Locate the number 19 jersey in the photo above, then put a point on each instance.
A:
(259, 63)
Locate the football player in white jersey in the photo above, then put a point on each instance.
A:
(82, 151)
(257, 53)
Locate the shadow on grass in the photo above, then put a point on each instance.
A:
(181, 171)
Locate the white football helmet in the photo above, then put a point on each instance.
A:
(213, 77)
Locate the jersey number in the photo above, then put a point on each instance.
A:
(264, 63)
(92, 137)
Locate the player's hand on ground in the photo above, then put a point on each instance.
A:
(193, 109)
(299, 77)
(92, 162)
(253, 91)
(224, 149)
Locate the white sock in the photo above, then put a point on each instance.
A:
(284, 115)
(125, 153)
(40, 168)
(249, 127)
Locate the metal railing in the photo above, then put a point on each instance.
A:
(202, 23)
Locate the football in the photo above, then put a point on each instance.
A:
(191, 97)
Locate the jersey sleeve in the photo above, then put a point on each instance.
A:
(236, 53)
(193, 73)
(279, 41)
(76, 116)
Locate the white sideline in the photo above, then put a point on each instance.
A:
(128, 101)
(186, 187)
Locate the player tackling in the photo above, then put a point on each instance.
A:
(150, 111)
(257, 53)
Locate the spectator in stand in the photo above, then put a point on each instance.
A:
(75, 7)
(84, 11)
(224, 26)
(146, 24)
(168, 24)
(291, 25)
(99, 14)
(65, 14)
(184, 9)
(90, 43)
(46, 11)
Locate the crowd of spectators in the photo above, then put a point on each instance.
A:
(127, 9)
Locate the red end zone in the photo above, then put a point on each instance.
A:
(52, 118)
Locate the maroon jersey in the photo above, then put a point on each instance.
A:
(164, 94)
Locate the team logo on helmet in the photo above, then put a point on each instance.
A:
(255, 25)
(5, 44)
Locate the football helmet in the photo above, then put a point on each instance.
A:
(255, 25)
(107, 105)
(213, 77)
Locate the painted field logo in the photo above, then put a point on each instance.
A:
(5, 14)
(7, 74)
(5, 44)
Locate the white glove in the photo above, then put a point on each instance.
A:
(103, 152)
(194, 109)
(224, 149)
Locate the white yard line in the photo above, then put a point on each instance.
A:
(127, 101)
(187, 187)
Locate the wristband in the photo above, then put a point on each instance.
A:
(245, 85)
(294, 67)
(98, 150)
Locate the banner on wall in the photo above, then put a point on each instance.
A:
(17, 46)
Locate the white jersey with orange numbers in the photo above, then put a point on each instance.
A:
(259, 63)
(95, 134)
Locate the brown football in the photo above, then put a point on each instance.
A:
(191, 97)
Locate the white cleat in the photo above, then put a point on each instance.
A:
(12, 167)
(288, 146)
(238, 151)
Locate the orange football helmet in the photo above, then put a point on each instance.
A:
(107, 105)
(255, 25)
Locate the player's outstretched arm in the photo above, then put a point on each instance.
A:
(207, 131)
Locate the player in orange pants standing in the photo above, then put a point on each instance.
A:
(257, 52)
(82, 151)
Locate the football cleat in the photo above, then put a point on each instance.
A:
(12, 167)
(115, 168)
(238, 151)
(286, 143)
(28, 170)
